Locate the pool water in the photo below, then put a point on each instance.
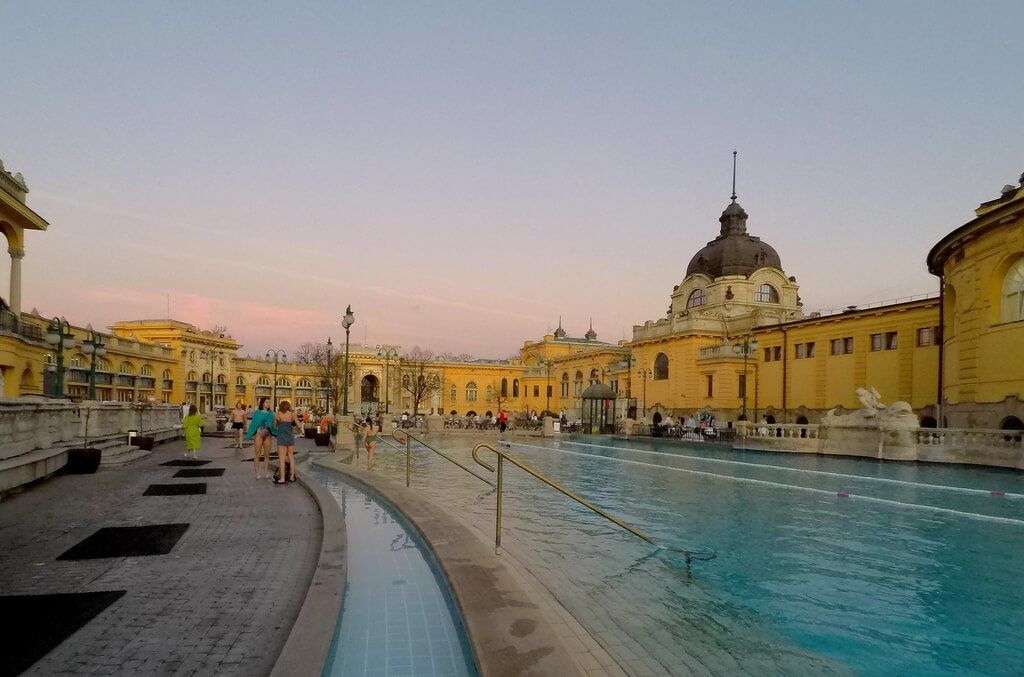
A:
(397, 617)
(914, 571)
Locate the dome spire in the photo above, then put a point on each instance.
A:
(559, 333)
(591, 334)
(733, 196)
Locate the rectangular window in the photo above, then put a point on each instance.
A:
(849, 344)
(743, 386)
(837, 346)
(801, 351)
(925, 337)
(536, 391)
(810, 349)
(711, 385)
(778, 353)
(891, 340)
(876, 342)
(615, 386)
(767, 354)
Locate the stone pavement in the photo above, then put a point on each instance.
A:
(222, 602)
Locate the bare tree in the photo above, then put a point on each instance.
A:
(500, 395)
(419, 376)
(329, 368)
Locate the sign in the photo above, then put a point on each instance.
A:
(556, 426)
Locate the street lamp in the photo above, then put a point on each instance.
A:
(94, 347)
(745, 348)
(277, 355)
(330, 372)
(386, 353)
(213, 355)
(347, 323)
(548, 366)
(58, 335)
(644, 373)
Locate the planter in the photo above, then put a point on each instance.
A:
(84, 461)
(322, 439)
(144, 442)
(309, 432)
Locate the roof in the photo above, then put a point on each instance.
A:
(734, 251)
(989, 214)
(599, 391)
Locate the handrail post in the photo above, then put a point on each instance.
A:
(497, 522)
(408, 459)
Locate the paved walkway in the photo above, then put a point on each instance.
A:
(221, 602)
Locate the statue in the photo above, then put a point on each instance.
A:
(871, 401)
(875, 430)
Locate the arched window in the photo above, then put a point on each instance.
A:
(77, 362)
(504, 387)
(207, 377)
(283, 382)
(103, 364)
(578, 384)
(471, 391)
(405, 381)
(565, 384)
(263, 381)
(191, 376)
(454, 394)
(1013, 292)
(305, 383)
(48, 358)
(490, 393)
(766, 294)
(595, 376)
(222, 379)
(661, 367)
(515, 388)
(167, 374)
(240, 381)
(147, 370)
(697, 298)
(126, 368)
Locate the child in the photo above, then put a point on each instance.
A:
(193, 424)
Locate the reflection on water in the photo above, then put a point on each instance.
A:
(913, 573)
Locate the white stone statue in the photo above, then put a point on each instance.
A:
(871, 401)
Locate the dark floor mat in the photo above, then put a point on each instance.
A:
(37, 624)
(187, 462)
(200, 472)
(183, 489)
(155, 539)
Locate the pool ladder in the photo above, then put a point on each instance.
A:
(405, 437)
(687, 554)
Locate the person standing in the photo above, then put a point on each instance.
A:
(261, 430)
(370, 433)
(285, 422)
(238, 423)
(193, 424)
(502, 421)
(184, 410)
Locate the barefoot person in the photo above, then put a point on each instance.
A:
(193, 424)
(238, 423)
(285, 422)
(261, 430)
(370, 433)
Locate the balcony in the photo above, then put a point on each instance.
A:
(190, 386)
(103, 378)
(11, 323)
(725, 351)
(263, 390)
(168, 384)
(221, 388)
(146, 382)
(303, 391)
(78, 375)
(124, 380)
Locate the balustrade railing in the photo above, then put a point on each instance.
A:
(124, 380)
(168, 384)
(146, 382)
(971, 438)
(790, 430)
(104, 378)
(191, 385)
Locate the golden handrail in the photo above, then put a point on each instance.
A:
(502, 456)
(398, 431)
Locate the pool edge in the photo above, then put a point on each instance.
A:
(309, 641)
(507, 631)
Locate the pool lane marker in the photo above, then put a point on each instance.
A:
(826, 473)
(748, 480)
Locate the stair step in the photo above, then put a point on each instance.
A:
(122, 454)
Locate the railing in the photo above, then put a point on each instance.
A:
(124, 380)
(678, 432)
(970, 438)
(785, 430)
(408, 459)
(221, 388)
(168, 384)
(11, 323)
(191, 385)
(104, 378)
(146, 381)
(825, 312)
(689, 555)
(78, 375)
(725, 350)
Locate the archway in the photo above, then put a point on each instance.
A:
(1011, 423)
(770, 420)
(368, 388)
(801, 420)
(929, 422)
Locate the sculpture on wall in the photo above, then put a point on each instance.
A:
(873, 413)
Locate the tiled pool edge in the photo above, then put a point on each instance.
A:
(508, 632)
(309, 641)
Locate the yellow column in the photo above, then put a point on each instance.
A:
(17, 254)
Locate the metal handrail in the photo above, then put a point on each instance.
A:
(358, 430)
(398, 431)
(502, 456)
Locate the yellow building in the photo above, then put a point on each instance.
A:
(981, 271)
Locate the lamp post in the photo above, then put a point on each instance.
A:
(330, 372)
(58, 335)
(745, 348)
(347, 323)
(386, 353)
(644, 373)
(548, 366)
(93, 346)
(277, 355)
(213, 355)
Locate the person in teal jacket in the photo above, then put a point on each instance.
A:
(262, 431)
(193, 424)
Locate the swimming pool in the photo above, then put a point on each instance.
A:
(914, 571)
(397, 617)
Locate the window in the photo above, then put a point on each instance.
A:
(810, 349)
(305, 383)
(1013, 293)
(595, 376)
(767, 354)
(661, 367)
(766, 294)
(471, 392)
(800, 351)
(490, 393)
(146, 370)
(515, 387)
(711, 385)
(77, 362)
(103, 364)
(848, 344)
(504, 387)
(842, 346)
(876, 342)
(927, 336)
(240, 382)
(221, 379)
(742, 392)
(126, 368)
(777, 350)
(206, 377)
(536, 390)
(578, 384)
(565, 385)
(697, 298)
(891, 340)
(283, 382)
(453, 394)
(615, 386)
(263, 381)
(167, 374)
(405, 381)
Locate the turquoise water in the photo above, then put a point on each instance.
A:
(915, 572)
(397, 617)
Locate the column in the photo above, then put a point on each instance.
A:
(15, 296)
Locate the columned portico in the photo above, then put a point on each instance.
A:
(15, 218)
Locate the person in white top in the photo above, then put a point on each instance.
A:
(184, 409)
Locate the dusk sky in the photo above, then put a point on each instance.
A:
(464, 173)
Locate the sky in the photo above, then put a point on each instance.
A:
(463, 174)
